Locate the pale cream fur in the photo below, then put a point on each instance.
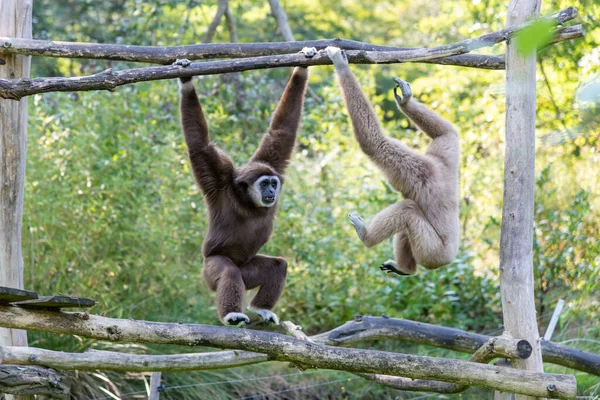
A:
(425, 223)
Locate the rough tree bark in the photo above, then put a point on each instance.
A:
(108, 80)
(212, 28)
(15, 20)
(284, 348)
(516, 240)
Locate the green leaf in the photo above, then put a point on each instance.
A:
(534, 36)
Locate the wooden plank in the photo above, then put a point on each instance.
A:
(10, 295)
(57, 302)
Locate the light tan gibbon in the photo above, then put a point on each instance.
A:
(425, 223)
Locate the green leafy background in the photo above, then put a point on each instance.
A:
(112, 213)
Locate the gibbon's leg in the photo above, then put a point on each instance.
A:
(398, 162)
(389, 221)
(445, 138)
(224, 277)
(405, 263)
(269, 273)
(427, 247)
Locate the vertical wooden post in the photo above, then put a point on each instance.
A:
(516, 242)
(15, 21)
(154, 384)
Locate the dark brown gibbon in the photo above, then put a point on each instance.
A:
(425, 223)
(241, 203)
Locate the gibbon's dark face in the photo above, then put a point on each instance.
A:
(265, 190)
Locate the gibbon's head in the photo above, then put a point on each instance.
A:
(261, 184)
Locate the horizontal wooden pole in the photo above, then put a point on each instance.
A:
(27, 380)
(501, 346)
(374, 328)
(168, 55)
(285, 348)
(113, 361)
(109, 79)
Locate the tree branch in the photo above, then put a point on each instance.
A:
(168, 55)
(113, 361)
(373, 328)
(109, 80)
(502, 346)
(284, 348)
(221, 10)
(282, 20)
(22, 380)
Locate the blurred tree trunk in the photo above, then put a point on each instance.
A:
(282, 21)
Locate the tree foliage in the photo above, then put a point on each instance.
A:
(112, 211)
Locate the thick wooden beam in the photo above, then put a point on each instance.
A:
(516, 239)
(376, 328)
(501, 346)
(285, 348)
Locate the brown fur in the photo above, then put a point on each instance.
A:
(237, 227)
(425, 223)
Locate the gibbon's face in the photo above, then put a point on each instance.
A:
(265, 191)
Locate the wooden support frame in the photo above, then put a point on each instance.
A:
(516, 237)
(366, 328)
(515, 257)
(283, 348)
(109, 79)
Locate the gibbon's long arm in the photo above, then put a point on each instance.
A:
(210, 165)
(278, 143)
(391, 155)
(445, 143)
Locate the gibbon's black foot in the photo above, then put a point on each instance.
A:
(309, 52)
(391, 266)
(405, 89)
(234, 318)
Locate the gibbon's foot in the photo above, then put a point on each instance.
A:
(234, 318)
(182, 62)
(337, 56)
(359, 225)
(267, 315)
(405, 89)
(309, 52)
(391, 266)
